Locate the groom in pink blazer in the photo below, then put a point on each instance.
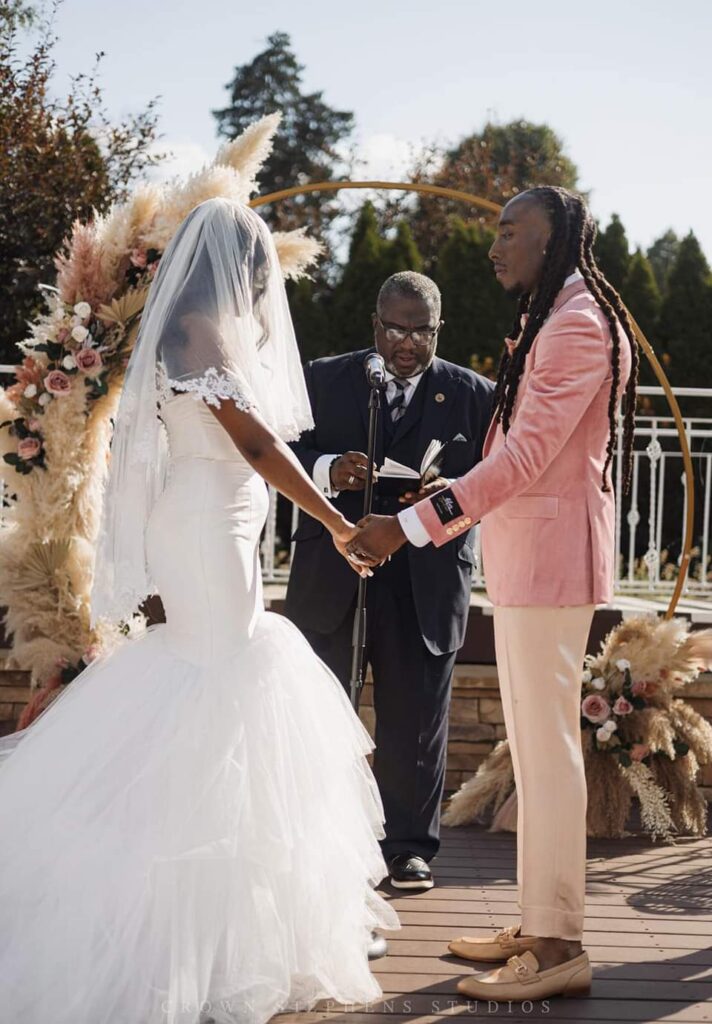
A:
(543, 495)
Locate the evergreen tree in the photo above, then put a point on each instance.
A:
(641, 295)
(613, 252)
(306, 146)
(355, 294)
(307, 303)
(686, 318)
(477, 312)
(662, 255)
(402, 252)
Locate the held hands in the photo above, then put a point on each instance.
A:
(341, 537)
(376, 539)
(413, 497)
(348, 472)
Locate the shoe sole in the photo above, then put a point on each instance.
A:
(412, 885)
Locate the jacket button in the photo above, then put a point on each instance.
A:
(468, 521)
(449, 531)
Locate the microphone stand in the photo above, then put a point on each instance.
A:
(359, 633)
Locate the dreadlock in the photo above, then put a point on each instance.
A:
(573, 232)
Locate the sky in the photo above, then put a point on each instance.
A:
(628, 87)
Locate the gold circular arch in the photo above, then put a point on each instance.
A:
(486, 204)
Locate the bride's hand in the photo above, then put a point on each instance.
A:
(341, 537)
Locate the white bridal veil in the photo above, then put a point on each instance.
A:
(217, 324)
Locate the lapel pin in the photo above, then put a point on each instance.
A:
(440, 397)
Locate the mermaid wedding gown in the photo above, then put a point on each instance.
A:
(189, 833)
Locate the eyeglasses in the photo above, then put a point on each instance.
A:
(420, 336)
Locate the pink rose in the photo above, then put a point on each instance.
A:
(88, 360)
(595, 708)
(622, 707)
(57, 383)
(639, 751)
(138, 258)
(34, 425)
(28, 448)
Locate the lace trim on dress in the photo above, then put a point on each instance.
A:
(211, 388)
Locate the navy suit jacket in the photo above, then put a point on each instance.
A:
(456, 404)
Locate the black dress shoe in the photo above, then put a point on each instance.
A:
(409, 871)
(377, 947)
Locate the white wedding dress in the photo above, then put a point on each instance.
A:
(189, 833)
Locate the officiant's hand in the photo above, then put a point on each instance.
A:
(348, 472)
(413, 497)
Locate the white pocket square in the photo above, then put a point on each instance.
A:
(459, 437)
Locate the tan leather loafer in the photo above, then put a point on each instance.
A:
(506, 943)
(520, 980)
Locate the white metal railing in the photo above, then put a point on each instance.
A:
(649, 521)
(649, 529)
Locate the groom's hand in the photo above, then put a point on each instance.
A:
(413, 497)
(377, 539)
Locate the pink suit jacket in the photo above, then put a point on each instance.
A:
(547, 527)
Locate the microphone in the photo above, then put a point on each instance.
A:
(375, 370)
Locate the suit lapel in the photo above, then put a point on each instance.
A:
(440, 398)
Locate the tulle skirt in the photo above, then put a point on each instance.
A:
(182, 843)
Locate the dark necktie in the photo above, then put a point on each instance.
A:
(396, 405)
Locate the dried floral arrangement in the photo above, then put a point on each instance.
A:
(640, 739)
(55, 420)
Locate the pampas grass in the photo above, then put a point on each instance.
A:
(653, 756)
(487, 790)
(47, 546)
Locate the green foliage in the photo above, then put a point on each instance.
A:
(613, 252)
(686, 317)
(52, 168)
(641, 294)
(308, 305)
(306, 146)
(372, 258)
(496, 163)
(662, 255)
(476, 311)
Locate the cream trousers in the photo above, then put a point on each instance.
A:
(540, 654)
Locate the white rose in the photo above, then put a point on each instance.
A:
(599, 683)
(79, 333)
(83, 310)
(611, 725)
(586, 675)
(30, 391)
(68, 363)
(44, 399)
(622, 664)
(602, 734)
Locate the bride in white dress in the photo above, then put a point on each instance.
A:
(189, 832)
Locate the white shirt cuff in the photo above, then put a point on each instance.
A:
(321, 477)
(413, 527)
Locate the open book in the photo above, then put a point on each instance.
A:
(394, 478)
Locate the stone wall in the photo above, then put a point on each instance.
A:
(476, 720)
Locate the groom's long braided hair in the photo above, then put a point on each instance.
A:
(571, 245)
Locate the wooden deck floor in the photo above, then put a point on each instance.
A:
(648, 933)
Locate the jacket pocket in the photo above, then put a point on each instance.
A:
(532, 506)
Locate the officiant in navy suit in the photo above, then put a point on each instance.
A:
(418, 602)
